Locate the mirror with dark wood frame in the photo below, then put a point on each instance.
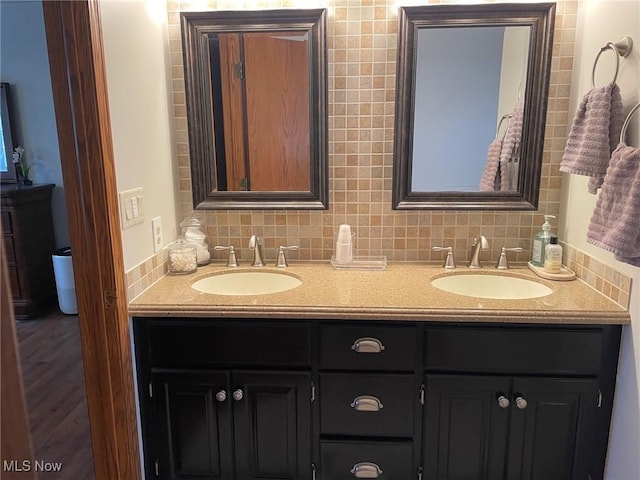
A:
(471, 98)
(257, 108)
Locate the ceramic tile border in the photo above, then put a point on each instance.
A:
(145, 274)
(603, 278)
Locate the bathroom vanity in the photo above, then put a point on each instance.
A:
(374, 375)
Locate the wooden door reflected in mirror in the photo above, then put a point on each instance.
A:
(256, 107)
(265, 87)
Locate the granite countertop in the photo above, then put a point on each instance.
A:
(403, 291)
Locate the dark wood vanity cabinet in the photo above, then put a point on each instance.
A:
(202, 425)
(508, 428)
(224, 401)
(333, 400)
(518, 402)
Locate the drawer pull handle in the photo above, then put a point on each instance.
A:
(503, 402)
(367, 403)
(367, 345)
(221, 396)
(521, 403)
(366, 470)
(238, 395)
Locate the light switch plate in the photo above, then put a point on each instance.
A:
(131, 211)
(158, 242)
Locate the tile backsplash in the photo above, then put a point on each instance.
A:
(362, 44)
(603, 278)
(145, 274)
(362, 48)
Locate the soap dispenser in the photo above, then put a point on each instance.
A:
(540, 242)
(553, 256)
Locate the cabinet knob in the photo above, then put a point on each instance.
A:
(503, 401)
(366, 470)
(521, 403)
(367, 345)
(367, 403)
(221, 396)
(238, 395)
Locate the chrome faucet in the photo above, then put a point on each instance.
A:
(480, 242)
(255, 244)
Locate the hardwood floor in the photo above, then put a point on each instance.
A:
(54, 385)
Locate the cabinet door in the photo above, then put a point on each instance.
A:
(551, 429)
(465, 427)
(272, 425)
(193, 426)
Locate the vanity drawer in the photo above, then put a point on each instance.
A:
(367, 404)
(514, 350)
(390, 461)
(207, 342)
(368, 347)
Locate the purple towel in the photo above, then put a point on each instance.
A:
(594, 134)
(615, 223)
(490, 181)
(510, 154)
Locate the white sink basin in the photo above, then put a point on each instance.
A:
(246, 282)
(486, 285)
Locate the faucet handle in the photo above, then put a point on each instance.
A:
(281, 262)
(232, 261)
(449, 262)
(503, 263)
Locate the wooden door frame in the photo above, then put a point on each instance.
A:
(78, 78)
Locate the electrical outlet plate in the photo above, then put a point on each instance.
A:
(156, 226)
(131, 211)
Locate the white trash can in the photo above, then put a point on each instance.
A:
(65, 285)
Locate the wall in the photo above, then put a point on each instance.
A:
(513, 74)
(24, 63)
(599, 22)
(136, 57)
(136, 50)
(458, 100)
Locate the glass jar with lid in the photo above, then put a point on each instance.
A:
(182, 257)
(193, 231)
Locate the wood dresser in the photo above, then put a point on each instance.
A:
(27, 229)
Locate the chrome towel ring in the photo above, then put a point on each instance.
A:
(507, 117)
(621, 48)
(623, 132)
